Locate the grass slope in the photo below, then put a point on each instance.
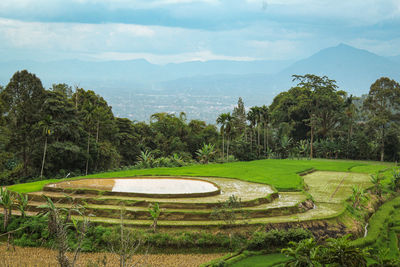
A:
(283, 174)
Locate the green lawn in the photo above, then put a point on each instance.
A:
(283, 174)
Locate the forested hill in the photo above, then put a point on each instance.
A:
(64, 132)
(137, 88)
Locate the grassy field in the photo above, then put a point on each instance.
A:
(283, 174)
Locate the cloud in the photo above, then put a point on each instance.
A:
(203, 14)
(181, 30)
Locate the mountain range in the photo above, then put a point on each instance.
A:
(137, 88)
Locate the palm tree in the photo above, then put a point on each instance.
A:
(229, 130)
(46, 124)
(265, 121)
(252, 118)
(222, 120)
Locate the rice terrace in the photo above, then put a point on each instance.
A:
(204, 133)
(273, 194)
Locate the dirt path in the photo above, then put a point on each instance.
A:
(42, 257)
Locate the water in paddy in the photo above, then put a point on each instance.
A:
(162, 186)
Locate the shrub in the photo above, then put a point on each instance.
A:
(277, 238)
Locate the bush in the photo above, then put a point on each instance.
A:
(276, 238)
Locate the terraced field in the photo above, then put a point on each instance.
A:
(261, 203)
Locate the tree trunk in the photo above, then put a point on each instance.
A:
(311, 143)
(383, 144)
(5, 219)
(97, 131)
(44, 157)
(265, 143)
(227, 149)
(25, 158)
(267, 137)
(87, 151)
(223, 146)
(258, 140)
(251, 140)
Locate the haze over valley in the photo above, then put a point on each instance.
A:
(136, 88)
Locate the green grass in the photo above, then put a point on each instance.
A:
(262, 260)
(382, 230)
(283, 174)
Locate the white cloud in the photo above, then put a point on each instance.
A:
(68, 36)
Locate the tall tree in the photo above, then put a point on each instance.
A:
(222, 120)
(63, 89)
(229, 129)
(239, 114)
(323, 103)
(265, 117)
(383, 104)
(23, 98)
(45, 124)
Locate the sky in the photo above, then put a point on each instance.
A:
(173, 31)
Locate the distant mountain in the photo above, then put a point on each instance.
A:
(137, 88)
(132, 72)
(353, 69)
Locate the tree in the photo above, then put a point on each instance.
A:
(222, 120)
(339, 251)
(59, 221)
(229, 211)
(154, 210)
(304, 253)
(128, 141)
(64, 152)
(239, 115)
(46, 125)
(23, 99)
(63, 89)
(7, 201)
(205, 153)
(252, 118)
(125, 244)
(382, 105)
(323, 104)
(265, 119)
(229, 129)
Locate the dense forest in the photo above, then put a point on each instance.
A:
(65, 131)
